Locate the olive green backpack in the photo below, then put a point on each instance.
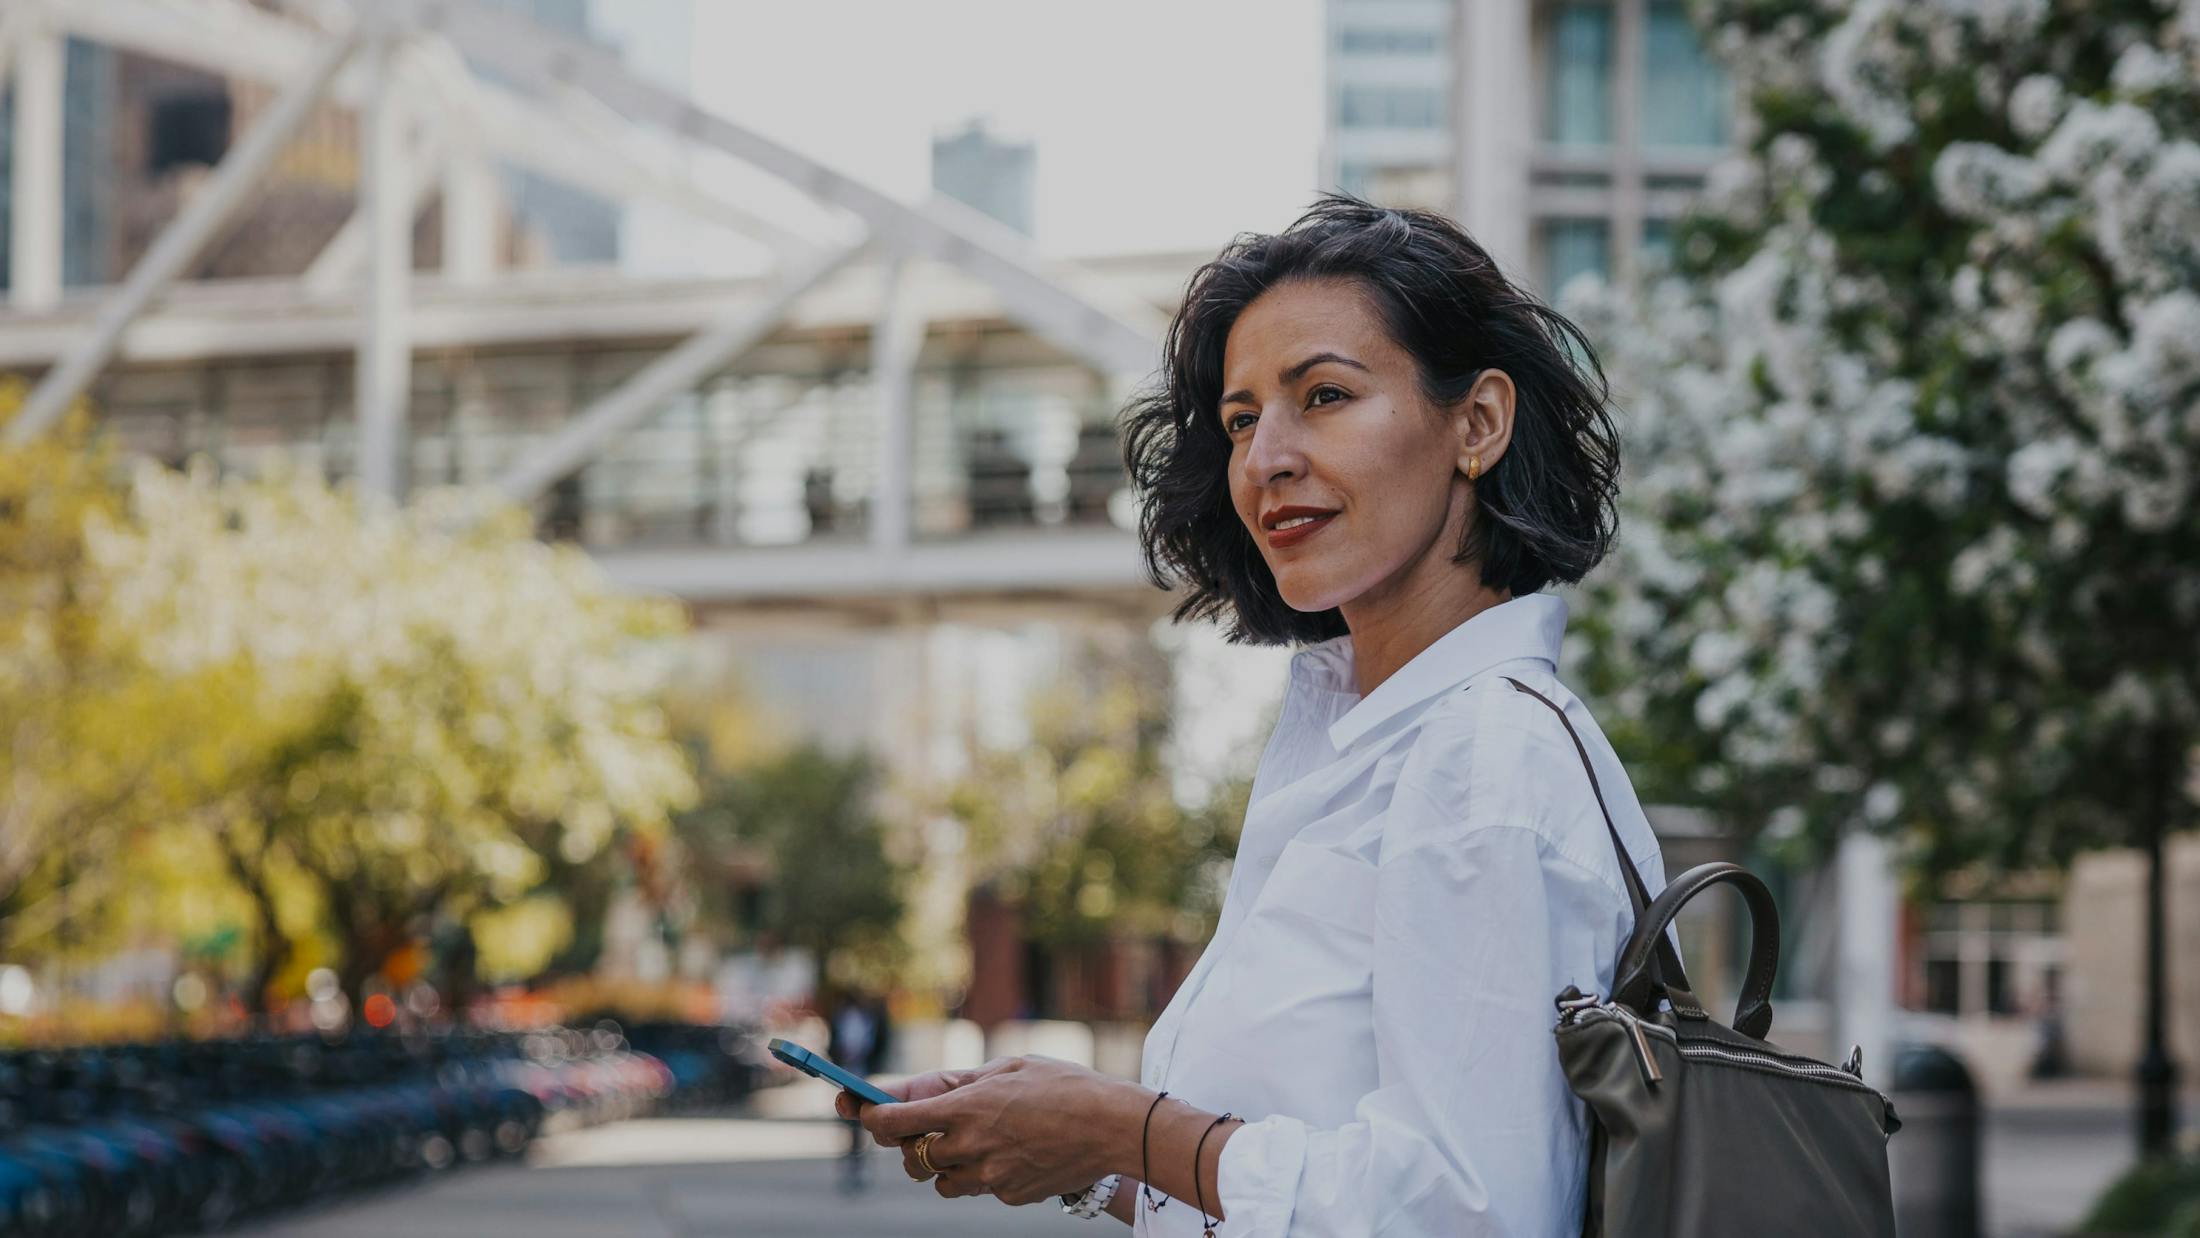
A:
(1700, 1130)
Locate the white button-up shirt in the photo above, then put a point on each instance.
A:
(1419, 874)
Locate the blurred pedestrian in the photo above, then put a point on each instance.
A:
(858, 1039)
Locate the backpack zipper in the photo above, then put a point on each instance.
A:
(1576, 1006)
(1573, 1003)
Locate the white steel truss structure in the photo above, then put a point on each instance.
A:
(444, 90)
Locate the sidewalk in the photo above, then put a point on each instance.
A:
(672, 1178)
(2049, 1149)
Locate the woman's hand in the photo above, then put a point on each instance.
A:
(916, 1087)
(920, 1087)
(1021, 1129)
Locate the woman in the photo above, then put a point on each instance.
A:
(1365, 439)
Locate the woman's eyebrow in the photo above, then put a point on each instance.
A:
(1294, 374)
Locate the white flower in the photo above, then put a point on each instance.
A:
(2036, 470)
(1881, 802)
(2148, 219)
(1715, 703)
(2075, 345)
(1993, 558)
(2153, 504)
(1896, 734)
(1838, 779)
(2165, 339)
(1734, 189)
(1714, 653)
(2093, 138)
(1786, 821)
(2143, 69)
(1978, 180)
(2035, 105)
(1966, 289)
(1855, 64)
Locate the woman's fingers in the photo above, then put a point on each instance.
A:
(940, 1152)
(909, 1163)
(927, 1086)
(913, 1090)
(958, 1184)
(958, 1174)
(894, 1122)
(917, 1088)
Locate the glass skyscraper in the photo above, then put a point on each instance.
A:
(1389, 101)
(1567, 135)
(87, 208)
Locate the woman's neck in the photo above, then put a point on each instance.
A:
(1394, 621)
(1384, 642)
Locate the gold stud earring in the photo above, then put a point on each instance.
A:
(1474, 467)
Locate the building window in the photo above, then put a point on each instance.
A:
(1391, 107)
(1379, 42)
(1574, 247)
(1657, 241)
(1684, 95)
(188, 129)
(1578, 103)
(1992, 958)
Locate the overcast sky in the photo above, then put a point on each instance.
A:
(1160, 124)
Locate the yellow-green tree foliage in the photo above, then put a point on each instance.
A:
(1082, 825)
(454, 703)
(93, 746)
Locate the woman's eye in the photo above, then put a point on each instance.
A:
(1335, 391)
(1231, 426)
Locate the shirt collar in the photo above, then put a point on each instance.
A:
(1531, 625)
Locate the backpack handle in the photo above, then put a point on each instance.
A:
(1641, 975)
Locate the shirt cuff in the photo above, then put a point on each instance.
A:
(1258, 1175)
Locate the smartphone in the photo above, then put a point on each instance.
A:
(819, 1065)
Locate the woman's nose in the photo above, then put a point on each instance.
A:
(1275, 451)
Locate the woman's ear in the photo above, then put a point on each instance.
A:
(1483, 421)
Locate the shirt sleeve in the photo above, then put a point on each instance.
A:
(1471, 1131)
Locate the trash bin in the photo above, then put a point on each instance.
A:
(1934, 1158)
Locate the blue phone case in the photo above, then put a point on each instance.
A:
(816, 1064)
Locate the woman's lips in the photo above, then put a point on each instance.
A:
(1279, 539)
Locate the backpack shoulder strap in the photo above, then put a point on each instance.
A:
(1667, 962)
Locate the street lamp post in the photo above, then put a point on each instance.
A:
(2157, 1070)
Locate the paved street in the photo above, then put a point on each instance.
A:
(673, 1178)
(775, 1177)
(2050, 1152)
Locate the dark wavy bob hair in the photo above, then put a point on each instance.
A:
(1547, 507)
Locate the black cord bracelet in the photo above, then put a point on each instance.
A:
(1199, 1191)
(1145, 1162)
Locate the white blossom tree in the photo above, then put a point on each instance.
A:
(1912, 538)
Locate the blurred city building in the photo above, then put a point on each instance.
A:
(996, 176)
(141, 132)
(88, 73)
(1391, 135)
(1625, 115)
(2103, 985)
(571, 226)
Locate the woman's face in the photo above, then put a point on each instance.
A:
(1324, 410)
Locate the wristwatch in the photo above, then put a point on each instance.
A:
(1095, 1199)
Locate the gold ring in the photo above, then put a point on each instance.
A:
(924, 1146)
